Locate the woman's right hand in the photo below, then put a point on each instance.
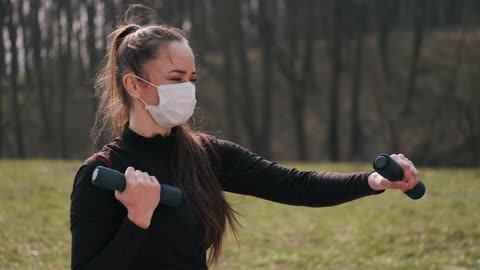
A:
(141, 196)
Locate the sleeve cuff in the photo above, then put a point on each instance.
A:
(133, 232)
(372, 191)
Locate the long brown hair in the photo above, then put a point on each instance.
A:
(129, 48)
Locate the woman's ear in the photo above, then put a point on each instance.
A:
(131, 85)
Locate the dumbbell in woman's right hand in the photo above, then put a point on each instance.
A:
(141, 196)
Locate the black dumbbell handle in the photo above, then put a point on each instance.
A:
(389, 169)
(113, 180)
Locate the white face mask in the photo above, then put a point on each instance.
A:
(177, 102)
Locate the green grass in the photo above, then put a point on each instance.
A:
(388, 231)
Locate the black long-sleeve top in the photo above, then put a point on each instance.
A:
(104, 238)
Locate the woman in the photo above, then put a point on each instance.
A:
(147, 94)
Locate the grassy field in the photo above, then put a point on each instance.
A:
(388, 231)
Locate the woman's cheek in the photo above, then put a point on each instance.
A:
(152, 97)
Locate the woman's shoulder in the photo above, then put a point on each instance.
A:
(109, 156)
(207, 138)
(219, 144)
(222, 147)
(84, 173)
(87, 199)
(106, 157)
(224, 151)
(100, 158)
(217, 147)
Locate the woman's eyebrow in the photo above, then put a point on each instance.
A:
(181, 71)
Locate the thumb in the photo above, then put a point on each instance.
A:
(118, 195)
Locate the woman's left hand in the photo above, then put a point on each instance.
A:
(411, 176)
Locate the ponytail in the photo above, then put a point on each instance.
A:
(113, 108)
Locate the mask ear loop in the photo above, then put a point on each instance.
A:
(146, 105)
(145, 81)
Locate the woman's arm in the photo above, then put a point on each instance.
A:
(102, 235)
(245, 172)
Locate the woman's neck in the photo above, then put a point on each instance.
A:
(142, 123)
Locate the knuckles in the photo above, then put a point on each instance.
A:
(138, 180)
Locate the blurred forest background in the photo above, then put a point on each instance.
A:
(290, 79)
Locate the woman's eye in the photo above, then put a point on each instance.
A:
(180, 79)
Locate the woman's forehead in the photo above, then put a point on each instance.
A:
(176, 55)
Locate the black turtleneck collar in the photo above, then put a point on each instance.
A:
(152, 155)
(155, 142)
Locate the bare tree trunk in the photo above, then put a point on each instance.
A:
(386, 15)
(266, 34)
(387, 11)
(65, 55)
(307, 81)
(298, 73)
(199, 25)
(80, 69)
(92, 50)
(37, 59)
(297, 101)
(228, 69)
(229, 89)
(110, 15)
(424, 154)
(248, 108)
(419, 13)
(16, 112)
(468, 127)
(2, 74)
(355, 129)
(336, 70)
(28, 85)
(50, 55)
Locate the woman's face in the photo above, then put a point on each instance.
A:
(175, 64)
